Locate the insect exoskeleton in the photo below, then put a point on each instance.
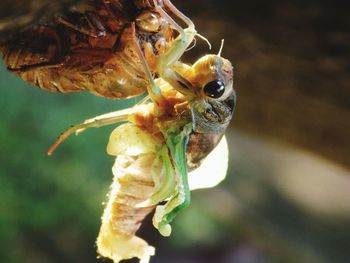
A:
(93, 46)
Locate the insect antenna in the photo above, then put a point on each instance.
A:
(221, 47)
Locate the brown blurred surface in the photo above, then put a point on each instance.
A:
(292, 63)
(291, 60)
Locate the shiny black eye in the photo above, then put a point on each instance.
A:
(214, 89)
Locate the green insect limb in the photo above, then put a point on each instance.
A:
(181, 43)
(166, 185)
(164, 214)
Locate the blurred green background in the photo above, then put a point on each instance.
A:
(286, 197)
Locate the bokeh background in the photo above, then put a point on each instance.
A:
(287, 193)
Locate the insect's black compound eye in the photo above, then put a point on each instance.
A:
(214, 89)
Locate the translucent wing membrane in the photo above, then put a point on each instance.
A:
(213, 169)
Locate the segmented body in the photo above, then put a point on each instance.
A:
(140, 170)
(132, 185)
(92, 47)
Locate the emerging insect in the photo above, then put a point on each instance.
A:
(167, 134)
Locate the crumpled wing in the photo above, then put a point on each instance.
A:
(213, 169)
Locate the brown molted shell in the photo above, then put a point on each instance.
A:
(92, 47)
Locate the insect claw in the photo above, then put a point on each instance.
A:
(53, 148)
(60, 139)
(204, 39)
(79, 131)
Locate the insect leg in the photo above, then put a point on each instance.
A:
(95, 28)
(164, 214)
(153, 89)
(113, 6)
(176, 50)
(179, 14)
(96, 122)
(181, 43)
(58, 58)
(48, 64)
(95, 23)
(168, 184)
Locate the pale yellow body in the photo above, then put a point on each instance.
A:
(131, 185)
(137, 171)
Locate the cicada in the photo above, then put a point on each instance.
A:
(165, 139)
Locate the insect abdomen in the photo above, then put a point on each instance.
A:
(132, 185)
